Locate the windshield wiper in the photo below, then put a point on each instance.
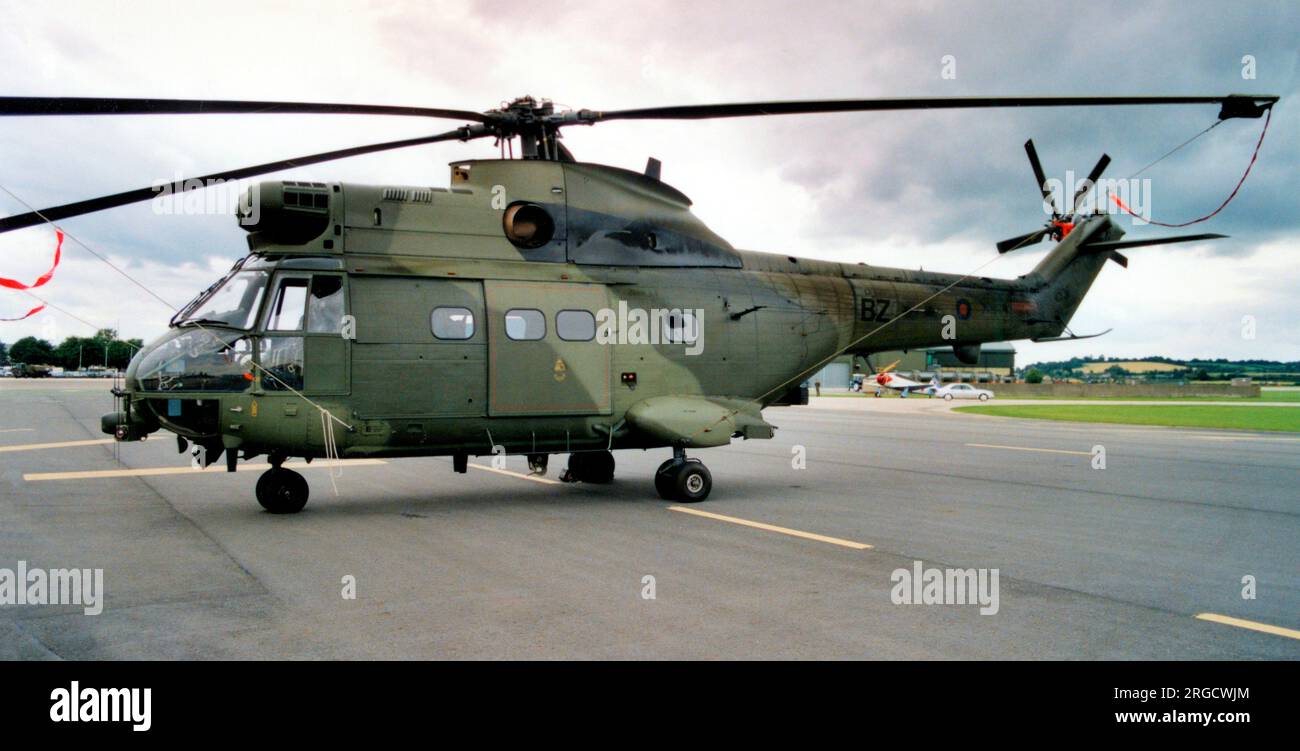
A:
(202, 322)
(200, 297)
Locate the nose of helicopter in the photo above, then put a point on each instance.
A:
(175, 382)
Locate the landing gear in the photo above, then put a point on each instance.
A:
(280, 490)
(590, 466)
(683, 479)
(537, 464)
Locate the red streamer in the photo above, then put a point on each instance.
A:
(30, 313)
(43, 278)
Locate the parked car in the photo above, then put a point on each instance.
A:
(963, 391)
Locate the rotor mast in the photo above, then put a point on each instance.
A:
(536, 124)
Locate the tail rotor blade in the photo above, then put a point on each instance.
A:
(1092, 180)
(1039, 175)
(1020, 241)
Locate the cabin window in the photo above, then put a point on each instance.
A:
(575, 325)
(680, 327)
(525, 324)
(325, 305)
(453, 323)
(290, 305)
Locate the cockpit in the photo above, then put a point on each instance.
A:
(250, 327)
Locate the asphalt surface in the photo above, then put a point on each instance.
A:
(1111, 563)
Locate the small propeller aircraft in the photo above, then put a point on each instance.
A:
(886, 378)
(540, 305)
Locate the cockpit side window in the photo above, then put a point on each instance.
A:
(300, 348)
(289, 307)
(325, 305)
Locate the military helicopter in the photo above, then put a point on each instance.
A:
(541, 305)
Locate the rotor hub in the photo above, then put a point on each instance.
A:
(534, 122)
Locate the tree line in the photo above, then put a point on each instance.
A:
(74, 353)
(1212, 365)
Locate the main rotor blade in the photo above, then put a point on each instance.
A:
(1039, 175)
(36, 105)
(55, 213)
(746, 109)
(1091, 182)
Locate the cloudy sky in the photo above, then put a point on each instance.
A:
(928, 189)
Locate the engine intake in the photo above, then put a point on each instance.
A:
(285, 212)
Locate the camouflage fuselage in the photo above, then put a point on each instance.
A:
(620, 242)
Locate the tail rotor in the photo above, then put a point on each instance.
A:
(1061, 222)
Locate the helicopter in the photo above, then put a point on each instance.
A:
(541, 305)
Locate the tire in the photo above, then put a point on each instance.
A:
(282, 491)
(664, 481)
(947, 397)
(984, 397)
(692, 482)
(600, 468)
(596, 467)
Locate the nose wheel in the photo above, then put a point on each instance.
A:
(683, 479)
(282, 491)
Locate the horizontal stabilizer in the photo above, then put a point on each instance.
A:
(1121, 244)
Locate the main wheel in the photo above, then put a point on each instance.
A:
(692, 482)
(600, 467)
(282, 491)
(590, 466)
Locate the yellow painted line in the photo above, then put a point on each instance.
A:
(97, 474)
(1027, 448)
(1245, 438)
(61, 445)
(773, 528)
(1289, 633)
(520, 475)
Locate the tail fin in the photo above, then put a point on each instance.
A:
(1059, 282)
